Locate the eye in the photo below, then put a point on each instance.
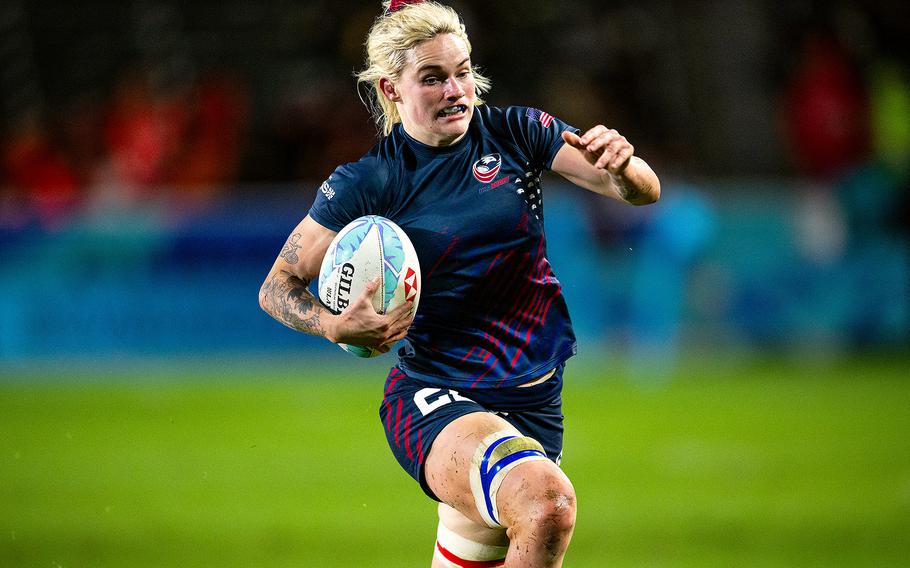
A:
(431, 80)
(464, 74)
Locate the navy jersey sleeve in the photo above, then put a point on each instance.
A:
(537, 133)
(352, 190)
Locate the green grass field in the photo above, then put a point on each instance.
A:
(285, 465)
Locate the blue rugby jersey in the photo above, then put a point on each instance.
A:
(491, 310)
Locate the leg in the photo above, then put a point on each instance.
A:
(462, 542)
(535, 500)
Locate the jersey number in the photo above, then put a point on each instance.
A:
(426, 406)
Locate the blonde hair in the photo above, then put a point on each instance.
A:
(390, 39)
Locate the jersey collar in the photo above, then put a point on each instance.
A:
(428, 151)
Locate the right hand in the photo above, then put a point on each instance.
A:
(359, 324)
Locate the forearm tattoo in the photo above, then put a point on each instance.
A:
(629, 191)
(288, 300)
(626, 190)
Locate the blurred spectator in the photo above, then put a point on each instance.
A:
(218, 112)
(81, 127)
(143, 132)
(43, 187)
(826, 110)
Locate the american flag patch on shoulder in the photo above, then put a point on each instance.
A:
(541, 116)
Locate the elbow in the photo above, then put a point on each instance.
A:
(643, 183)
(264, 296)
(651, 191)
(654, 194)
(647, 196)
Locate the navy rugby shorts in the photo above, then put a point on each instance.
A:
(414, 413)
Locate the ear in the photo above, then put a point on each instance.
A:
(388, 90)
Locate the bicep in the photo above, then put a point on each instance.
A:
(304, 249)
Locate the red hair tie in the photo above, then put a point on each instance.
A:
(399, 4)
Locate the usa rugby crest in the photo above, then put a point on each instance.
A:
(486, 168)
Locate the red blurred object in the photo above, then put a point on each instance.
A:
(143, 132)
(827, 111)
(214, 139)
(48, 185)
(399, 4)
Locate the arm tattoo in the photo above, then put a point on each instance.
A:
(289, 252)
(624, 190)
(628, 190)
(287, 299)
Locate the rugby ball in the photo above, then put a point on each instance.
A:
(365, 248)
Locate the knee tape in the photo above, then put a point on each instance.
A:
(496, 455)
(457, 551)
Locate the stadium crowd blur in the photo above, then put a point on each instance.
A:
(183, 106)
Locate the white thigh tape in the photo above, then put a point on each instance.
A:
(468, 549)
(496, 455)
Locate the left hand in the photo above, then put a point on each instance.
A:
(604, 148)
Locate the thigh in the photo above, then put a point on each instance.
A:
(413, 415)
(449, 464)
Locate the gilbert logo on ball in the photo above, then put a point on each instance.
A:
(365, 248)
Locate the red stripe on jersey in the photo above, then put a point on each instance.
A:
(497, 344)
(465, 358)
(515, 358)
(506, 280)
(542, 313)
(398, 423)
(525, 313)
(388, 415)
(529, 312)
(519, 298)
(543, 316)
(420, 446)
(395, 374)
(407, 437)
(520, 308)
(448, 250)
(450, 556)
(487, 372)
(492, 264)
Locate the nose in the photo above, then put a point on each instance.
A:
(453, 89)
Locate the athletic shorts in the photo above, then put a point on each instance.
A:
(414, 413)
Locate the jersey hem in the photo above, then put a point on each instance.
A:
(449, 382)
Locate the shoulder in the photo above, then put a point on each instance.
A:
(538, 134)
(370, 171)
(352, 190)
(499, 117)
(515, 121)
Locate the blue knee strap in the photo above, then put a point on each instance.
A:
(487, 473)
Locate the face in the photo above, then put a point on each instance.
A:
(435, 94)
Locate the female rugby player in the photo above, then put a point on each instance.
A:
(472, 409)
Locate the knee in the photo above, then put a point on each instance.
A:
(545, 508)
(555, 505)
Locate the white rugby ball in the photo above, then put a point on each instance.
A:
(365, 248)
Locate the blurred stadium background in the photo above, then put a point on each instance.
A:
(741, 396)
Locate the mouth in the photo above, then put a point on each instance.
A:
(453, 111)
